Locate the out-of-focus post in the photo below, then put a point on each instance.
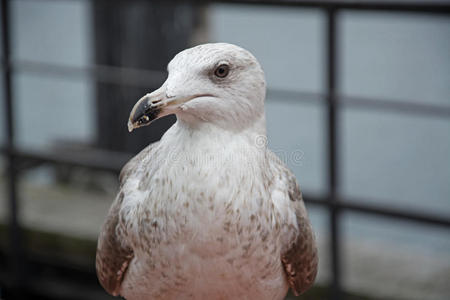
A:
(141, 35)
(333, 148)
(16, 253)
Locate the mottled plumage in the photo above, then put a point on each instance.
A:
(208, 212)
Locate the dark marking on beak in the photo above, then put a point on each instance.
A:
(144, 114)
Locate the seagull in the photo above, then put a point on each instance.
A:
(208, 212)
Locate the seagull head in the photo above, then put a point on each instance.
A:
(216, 83)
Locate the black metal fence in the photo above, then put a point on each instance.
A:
(333, 202)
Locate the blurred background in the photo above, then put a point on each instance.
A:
(358, 106)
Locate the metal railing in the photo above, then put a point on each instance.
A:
(333, 202)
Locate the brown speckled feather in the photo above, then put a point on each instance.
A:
(300, 260)
(113, 254)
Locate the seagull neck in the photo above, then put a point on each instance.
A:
(188, 133)
(193, 124)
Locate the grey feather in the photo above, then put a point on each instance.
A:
(300, 259)
(113, 254)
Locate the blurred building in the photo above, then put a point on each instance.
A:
(79, 66)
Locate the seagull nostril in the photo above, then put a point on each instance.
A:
(156, 101)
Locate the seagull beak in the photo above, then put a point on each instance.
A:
(156, 105)
(153, 106)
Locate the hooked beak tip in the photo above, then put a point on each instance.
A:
(130, 126)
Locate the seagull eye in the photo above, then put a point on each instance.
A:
(222, 71)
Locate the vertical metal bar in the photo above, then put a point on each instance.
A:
(332, 135)
(16, 254)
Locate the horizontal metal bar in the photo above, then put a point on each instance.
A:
(295, 96)
(102, 160)
(102, 73)
(400, 106)
(355, 102)
(432, 6)
(364, 206)
(114, 161)
(414, 6)
(152, 78)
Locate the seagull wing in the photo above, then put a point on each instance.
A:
(299, 258)
(113, 251)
